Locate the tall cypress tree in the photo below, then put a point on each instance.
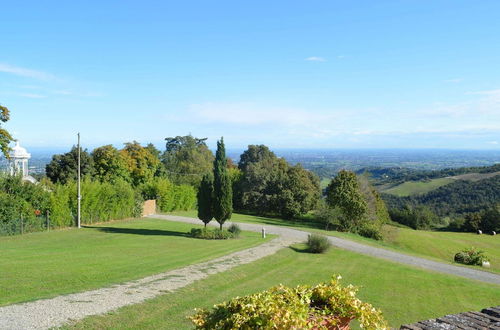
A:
(223, 192)
(205, 199)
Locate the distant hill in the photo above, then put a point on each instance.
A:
(455, 198)
(397, 175)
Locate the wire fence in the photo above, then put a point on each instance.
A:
(23, 225)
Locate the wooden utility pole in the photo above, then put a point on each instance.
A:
(79, 184)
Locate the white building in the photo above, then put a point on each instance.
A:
(18, 162)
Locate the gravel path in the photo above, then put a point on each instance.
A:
(55, 312)
(402, 258)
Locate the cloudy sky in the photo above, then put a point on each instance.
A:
(290, 74)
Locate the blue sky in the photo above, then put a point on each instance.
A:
(289, 74)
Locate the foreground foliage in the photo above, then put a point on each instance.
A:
(324, 306)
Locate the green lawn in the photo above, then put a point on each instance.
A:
(404, 294)
(42, 265)
(437, 245)
(417, 187)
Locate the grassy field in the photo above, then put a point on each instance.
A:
(437, 245)
(42, 265)
(417, 187)
(404, 294)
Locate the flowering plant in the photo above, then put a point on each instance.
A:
(324, 306)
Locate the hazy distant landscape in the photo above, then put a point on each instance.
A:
(327, 162)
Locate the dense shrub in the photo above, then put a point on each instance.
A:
(317, 243)
(470, 256)
(370, 231)
(326, 305)
(105, 201)
(170, 197)
(22, 200)
(209, 233)
(61, 208)
(234, 229)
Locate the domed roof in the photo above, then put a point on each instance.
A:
(19, 152)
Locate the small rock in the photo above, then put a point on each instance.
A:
(493, 233)
(479, 232)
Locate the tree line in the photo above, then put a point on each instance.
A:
(456, 201)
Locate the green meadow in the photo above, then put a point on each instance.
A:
(47, 264)
(405, 294)
(437, 245)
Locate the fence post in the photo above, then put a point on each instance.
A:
(22, 229)
(48, 220)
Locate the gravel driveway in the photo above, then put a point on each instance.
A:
(402, 258)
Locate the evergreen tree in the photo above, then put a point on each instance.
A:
(205, 199)
(223, 192)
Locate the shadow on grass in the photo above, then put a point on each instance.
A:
(303, 249)
(139, 231)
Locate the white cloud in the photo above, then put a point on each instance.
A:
(492, 142)
(253, 114)
(316, 59)
(479, 105)
(23, 72)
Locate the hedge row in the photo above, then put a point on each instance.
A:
(101, 201)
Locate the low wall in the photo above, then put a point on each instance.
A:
(149, 207)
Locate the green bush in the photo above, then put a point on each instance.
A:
(317, 243)
(208, 233)
(324, 306)
(471, 257)
(370, 231)
(170, 197)
(235, 230)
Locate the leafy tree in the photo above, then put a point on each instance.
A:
(377, 211)
(344, 192)
(141, 163)
(223, 194)
(299, 194)
(205, 199)
(254, 154)
(491, 219)
(472, 221)
(187, 159)
(270, 185)
(109, 164)
(5, 137)
(64, 167)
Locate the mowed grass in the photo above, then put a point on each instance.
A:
(42, 265)
(404, 294)
(417, 187)
(443, 245)
(437, 245)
